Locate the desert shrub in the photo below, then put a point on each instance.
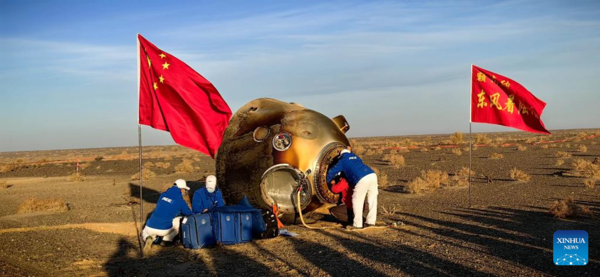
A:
(148, 165)
(76, 177)
(147, 174)
(519, 175)
(186, 166)
(590, 183)
(428, 181)
(495, 156)
(582, 148)
(98, 158)
(8, 168)
(457, 151)
(162, 165)
(424, 149)
(586, 168)
(31, 205)
(597, 133)
(521, 147)
(475, 147)
(461, 178)
(370, 152)
(559, 162)
(562, 154)
(544, 146)
(388, 211)
(482, 139)
(457, 138)
(395, 160)
(358, 149)
(4, 185)
(568, 145)
(567, 208)
(553, 145)
(382, 178)
(407, 142)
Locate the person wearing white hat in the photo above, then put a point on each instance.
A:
(208, 197)
(166, 218)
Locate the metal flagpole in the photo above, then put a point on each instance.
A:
(470, 132)
(140, 143)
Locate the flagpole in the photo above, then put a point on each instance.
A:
(140, 145)
(470, 132)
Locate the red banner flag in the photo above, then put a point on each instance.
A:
(175, 98)
(496, 99)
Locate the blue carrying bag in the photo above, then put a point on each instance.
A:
(197, 231)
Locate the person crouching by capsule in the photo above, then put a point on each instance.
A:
(208, 197)
(340, 185)
(363, 181)
(166, 218)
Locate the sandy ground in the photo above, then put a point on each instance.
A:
(507, 230)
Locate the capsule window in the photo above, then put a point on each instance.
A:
(282, 141)
(261, 133)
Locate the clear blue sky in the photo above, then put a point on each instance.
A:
(68, 71)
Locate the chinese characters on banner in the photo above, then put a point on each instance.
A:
(496, 99)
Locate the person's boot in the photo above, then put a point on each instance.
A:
(148, 244)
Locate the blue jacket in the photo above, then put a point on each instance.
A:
(170, 204)
(353, 168)
(205, 200)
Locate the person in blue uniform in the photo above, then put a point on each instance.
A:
(363, 181)
(166, 218)
(207, 198)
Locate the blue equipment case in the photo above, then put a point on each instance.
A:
(197, 231)
(232, 227)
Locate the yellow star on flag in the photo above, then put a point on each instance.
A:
(155, 86)
(149, 62)
(162, 55)
(165, 65)
(161, 79)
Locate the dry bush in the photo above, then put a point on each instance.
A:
(562, 154)
(407, 142)
(567, 208)
(461, 178)
(395, 160)
(457, 151)
(370, 152)
(382, 178)
(8, 168)
(186, 166)
(428, 181)
(379, 151)
(388, 212)
(553, 145)
(4, 185)
(424, 149)
(76, 177)
(496, 156)
(593, 143)
(582, 148)
(597, 133)
(519, 175)
(147, 174)
(466, 149)
(544, 146)
(482, 139)
(559, 162)
(123, 156)
(590, 183)
(457, 138)
(437, 148)
(521, 147)
(358, 149)
(148, 165)
(586, 168)
(162, 165)
(31, 205)
(475, 147)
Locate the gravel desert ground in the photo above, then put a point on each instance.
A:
(88, 222)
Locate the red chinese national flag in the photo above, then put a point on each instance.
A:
(175, 98)
(496, 99)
